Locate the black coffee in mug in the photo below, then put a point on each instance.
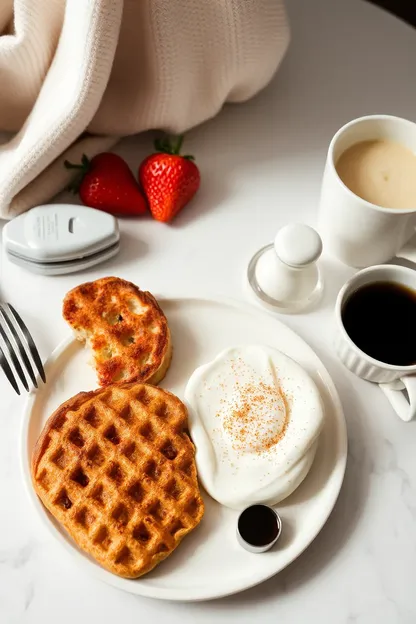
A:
(380, 318)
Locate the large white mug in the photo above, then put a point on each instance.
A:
(393, 380)
(359, 233)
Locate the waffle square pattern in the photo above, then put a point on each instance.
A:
(116, 468)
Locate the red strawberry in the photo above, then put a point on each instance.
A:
(106, 183)
(168, 179)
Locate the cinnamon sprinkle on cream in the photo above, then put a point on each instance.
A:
(256, 418)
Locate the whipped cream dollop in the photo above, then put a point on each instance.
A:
(255, 416)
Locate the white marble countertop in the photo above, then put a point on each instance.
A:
(261, 165)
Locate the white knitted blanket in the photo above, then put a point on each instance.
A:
(76, 75)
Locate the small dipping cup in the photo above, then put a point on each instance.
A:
(258, 528)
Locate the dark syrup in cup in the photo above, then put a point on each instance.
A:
(258, 528)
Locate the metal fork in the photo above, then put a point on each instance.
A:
(19, 345)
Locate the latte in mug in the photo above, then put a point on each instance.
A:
(367, 210)
(383, 172)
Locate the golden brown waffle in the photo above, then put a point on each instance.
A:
(125, 328)
(116, 468)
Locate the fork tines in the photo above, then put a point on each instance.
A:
(19, 345)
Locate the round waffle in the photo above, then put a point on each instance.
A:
(124, 327)
(116, 468)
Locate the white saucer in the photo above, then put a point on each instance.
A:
(209, 563)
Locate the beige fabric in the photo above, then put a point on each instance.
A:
(110, 68)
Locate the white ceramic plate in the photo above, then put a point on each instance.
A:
(209, 563)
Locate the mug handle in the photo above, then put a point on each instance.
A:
(408, 252)
(404, 408)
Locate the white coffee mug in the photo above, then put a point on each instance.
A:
(359, 233)
(393, 380)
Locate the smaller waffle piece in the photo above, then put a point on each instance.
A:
(124, 327)
(116, 468)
